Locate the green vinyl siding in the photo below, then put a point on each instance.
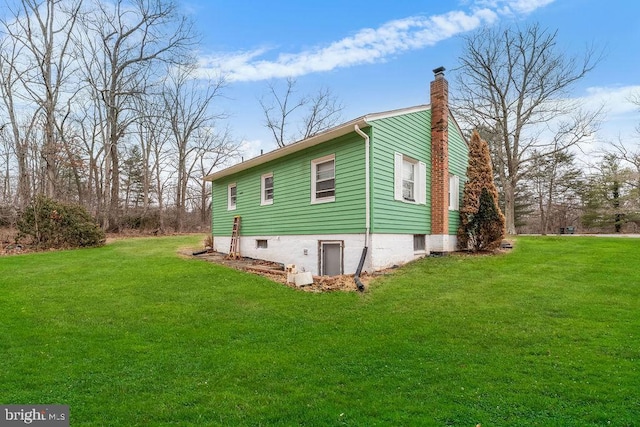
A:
(292, 212)
(458, 161)
(410, 135)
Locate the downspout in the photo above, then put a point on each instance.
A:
(367, 209)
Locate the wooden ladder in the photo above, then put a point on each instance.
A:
(234, 248)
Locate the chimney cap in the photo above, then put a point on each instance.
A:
(439, 72)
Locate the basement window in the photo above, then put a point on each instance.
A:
(261, 244)
(419, 243)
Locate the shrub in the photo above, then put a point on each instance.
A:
(486, 228)
(7, 216)
(53, 224)
(482, 224)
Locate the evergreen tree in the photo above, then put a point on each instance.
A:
(133, 175)
(555, 182)
(609, 199)
(482, 224)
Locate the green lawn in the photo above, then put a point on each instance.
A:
(132, 334)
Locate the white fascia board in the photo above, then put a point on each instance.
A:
(328, 135)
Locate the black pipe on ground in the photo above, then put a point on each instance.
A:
(356, 278)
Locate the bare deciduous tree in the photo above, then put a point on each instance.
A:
(216, 149)
(630, 157)
(10, 51)
(323, 111)
(187, 108)
(44, 30)
(279, 111)
(83, 113)
(126, 41)
(6, 184)
(514, 82)
(154, 136)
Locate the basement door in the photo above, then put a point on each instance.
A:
(331, 258)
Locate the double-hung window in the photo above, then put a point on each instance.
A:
(232, 196)
(266, 192)
(410, 177)
(323, 179)
(409, 180)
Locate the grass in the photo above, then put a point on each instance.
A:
(132, 334)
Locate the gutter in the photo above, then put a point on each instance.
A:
(367, 205)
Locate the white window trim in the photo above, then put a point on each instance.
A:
(232, 207)
(454, 193)
(314, 163)
(263, 201)
(420, 181)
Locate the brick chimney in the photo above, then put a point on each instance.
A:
(439, 162)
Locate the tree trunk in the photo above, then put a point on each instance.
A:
(160, 209)
(24, 181)
(114, 202)
(510, 208)
(179, 196)
(204, 208)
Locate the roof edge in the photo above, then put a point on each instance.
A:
(335, 132)
(325, 136)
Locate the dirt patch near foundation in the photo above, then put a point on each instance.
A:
(275, 271)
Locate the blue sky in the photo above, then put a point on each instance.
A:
(379, 55)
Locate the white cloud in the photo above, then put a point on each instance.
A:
(511, 7)
(619, 121)
(620, 115)
(369, 45)
(616, 100)
(526, 6)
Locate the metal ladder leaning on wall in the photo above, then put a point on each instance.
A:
(234, 248)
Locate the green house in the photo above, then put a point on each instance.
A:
(377, 191)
